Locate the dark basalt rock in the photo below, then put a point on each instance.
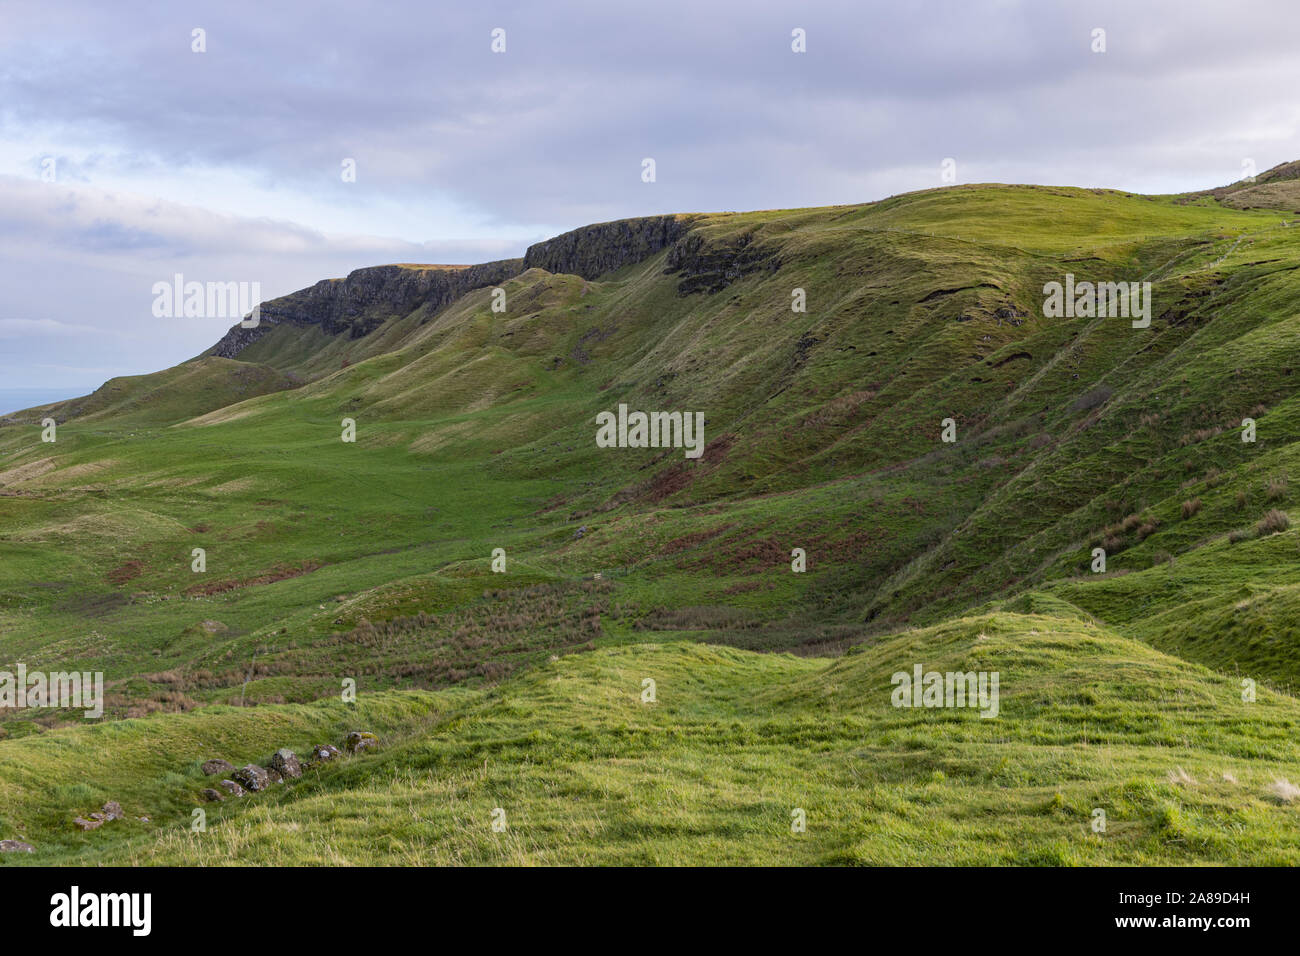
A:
(360, 740)
(367, 298)
(252, 777)
(711, 266)
(285, 763)
(593, 251)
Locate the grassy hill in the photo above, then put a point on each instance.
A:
(372, 560)
(713, 770)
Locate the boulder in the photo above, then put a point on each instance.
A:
(274, 775)
(325, 752)
(218, 765)
(285, 762)
(232, 788)
(210, 795)
(360, 740)
(16, 846)
(252, 777)
(110, 811)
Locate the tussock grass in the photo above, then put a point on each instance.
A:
(475, 432)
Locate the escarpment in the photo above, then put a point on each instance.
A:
(593, 251)
(363, 301)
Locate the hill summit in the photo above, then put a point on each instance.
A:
(909, 465)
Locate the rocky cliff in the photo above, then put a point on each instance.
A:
(359, 304)
(355, 306)
(593, 251)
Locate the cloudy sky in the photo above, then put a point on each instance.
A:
(227, 165)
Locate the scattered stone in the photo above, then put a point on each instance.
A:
(360, 740)
(580, 532)
(16, 846)
(325, 752)
(211, 767)
(210, 795)
(110, 811)
(285, 762)
(252, 777)
(232, 788)
(274, 775)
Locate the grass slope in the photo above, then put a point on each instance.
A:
(712, 771)
(371, 560)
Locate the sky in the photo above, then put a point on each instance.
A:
(128, 156)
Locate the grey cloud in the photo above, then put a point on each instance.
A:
(554, 130)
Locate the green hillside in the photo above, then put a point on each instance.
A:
(475, 430)
(713, 770)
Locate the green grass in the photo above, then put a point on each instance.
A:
(371, 560)
(712, 771)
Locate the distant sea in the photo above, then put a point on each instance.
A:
(17, 399)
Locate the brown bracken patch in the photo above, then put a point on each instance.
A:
(280, 572)
(126, 571)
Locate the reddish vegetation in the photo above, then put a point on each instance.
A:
(760, 554)
(679, 475)
(127, 571)
(688, 541)
(716, 450)
(668, 482)
(279, 573)
(559, 501)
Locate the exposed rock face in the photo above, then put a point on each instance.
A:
(364, 300)
(285, 763)
(359, 304)
(218, 766)
(595, 250)
(360, 740)
(707, 266)
(252, 777)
